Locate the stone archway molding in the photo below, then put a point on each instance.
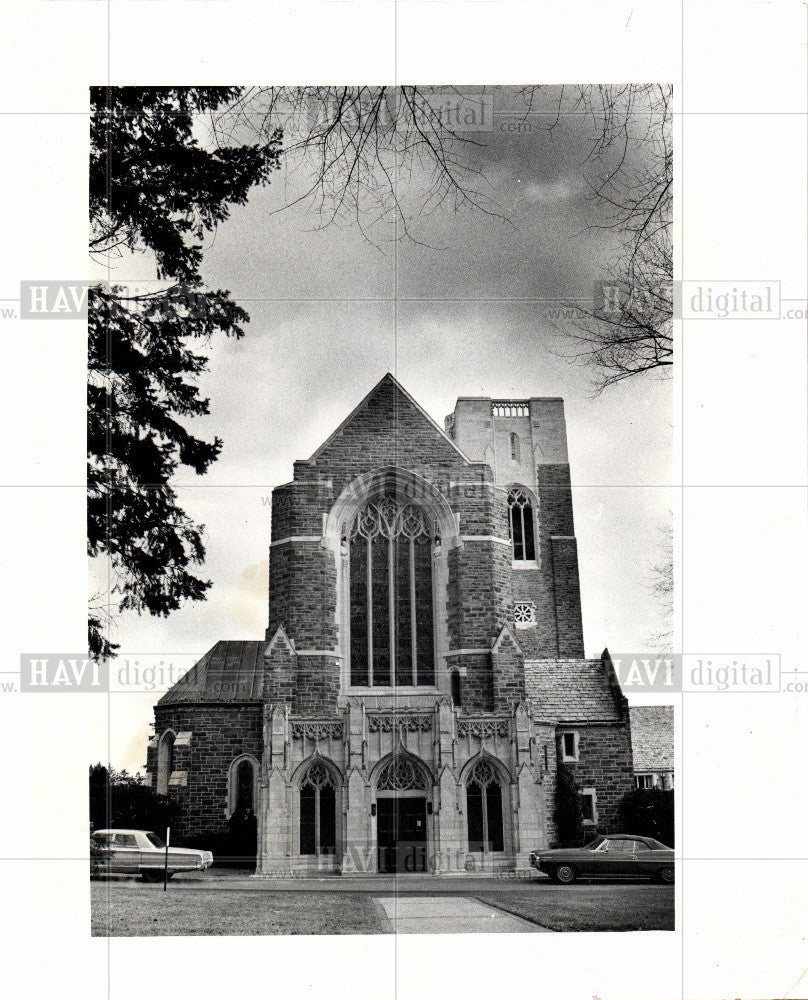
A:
(401, 483)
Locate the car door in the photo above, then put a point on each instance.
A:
(599, 860)
(614, 857)
(125, 854)
(151, 854)
(628, 860)
(650, 858)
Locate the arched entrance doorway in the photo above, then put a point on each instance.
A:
(402, 807)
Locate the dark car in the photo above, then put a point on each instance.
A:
(621, 855)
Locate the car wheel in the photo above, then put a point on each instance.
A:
(565, 874)
(151, 875)
(666, 875)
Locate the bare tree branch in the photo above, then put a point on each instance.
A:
(382, 156)
(368, 155)
(629, 330)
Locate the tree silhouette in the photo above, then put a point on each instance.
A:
(154, 190)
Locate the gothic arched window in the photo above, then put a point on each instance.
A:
(242, 786)
(391, 596)
(520, 526)
(245, 780)
(165, 762)
(484, 809)
(318, 828)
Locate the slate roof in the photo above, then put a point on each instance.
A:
(571, 690)
(230, 672)
(652, 737)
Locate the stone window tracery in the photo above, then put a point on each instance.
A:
(318, 829)
(484, 809)
(401, 775)
(391, 620)
(520, 526)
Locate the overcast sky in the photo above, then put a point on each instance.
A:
(464, 315)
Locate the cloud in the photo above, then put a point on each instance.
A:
(242, 601)
(552, 192)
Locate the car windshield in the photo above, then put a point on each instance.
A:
(593, 844)
(154, 840)
(655, 845)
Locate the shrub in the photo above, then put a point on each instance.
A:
(568, 815)
(648, 812)
(119, 799)
(233, 847)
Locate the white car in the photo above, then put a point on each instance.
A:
(139, 852)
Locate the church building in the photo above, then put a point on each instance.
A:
(423, 675)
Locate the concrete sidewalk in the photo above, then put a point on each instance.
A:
(450, 915)
(381, 885)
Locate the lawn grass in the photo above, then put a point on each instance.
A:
(590, 908)
(134, 910)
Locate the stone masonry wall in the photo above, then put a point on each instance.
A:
(302, 594)
(220, 733)
(605, 764)
(317, 685)
(509, 674)
(559, 559)
(569, 623)
(476, 681)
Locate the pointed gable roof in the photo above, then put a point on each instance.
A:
(389, 397)
(506, 633)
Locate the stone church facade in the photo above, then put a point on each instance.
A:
(423, 672)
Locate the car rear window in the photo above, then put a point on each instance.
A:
(154, 840)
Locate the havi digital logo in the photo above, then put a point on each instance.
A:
(48, 672)
(53, 299)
